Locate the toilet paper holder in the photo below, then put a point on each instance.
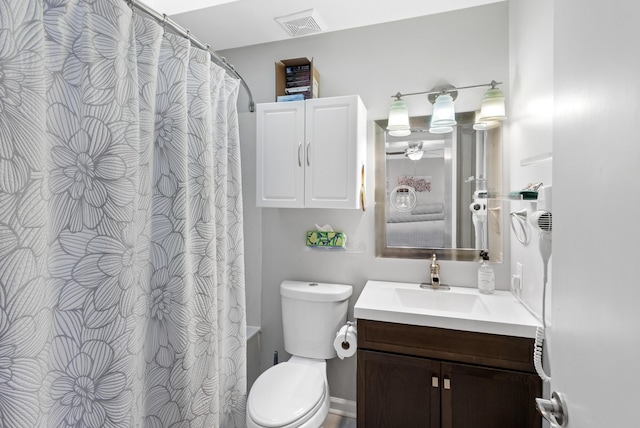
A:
(345, 345)
(345, 342)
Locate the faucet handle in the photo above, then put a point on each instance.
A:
(435, 267)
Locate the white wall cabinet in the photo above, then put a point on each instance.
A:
(311, 153)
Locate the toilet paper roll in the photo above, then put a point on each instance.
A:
(346, 341)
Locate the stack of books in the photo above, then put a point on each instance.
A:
(298, 81)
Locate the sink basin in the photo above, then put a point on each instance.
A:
(460, 308)
(439, 300)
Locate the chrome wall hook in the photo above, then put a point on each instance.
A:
(520, 226)
(554, 410)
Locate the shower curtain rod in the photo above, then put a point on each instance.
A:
(163, 20)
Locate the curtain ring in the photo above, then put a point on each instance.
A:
(188, 34)
(164, 24)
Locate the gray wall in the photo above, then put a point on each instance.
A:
(530, 126)
(463, 48)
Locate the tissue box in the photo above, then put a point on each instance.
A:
(326, 239)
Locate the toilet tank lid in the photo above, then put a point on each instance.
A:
(315, 291)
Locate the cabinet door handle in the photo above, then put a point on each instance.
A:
(299, 153)
(434, 381)
(447, 383)
(308, 145)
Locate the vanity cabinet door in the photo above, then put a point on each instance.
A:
(397, 391)
(481, 380)
(481, 397)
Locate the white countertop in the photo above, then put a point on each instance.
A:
(459, 308)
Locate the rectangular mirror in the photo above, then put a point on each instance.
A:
(437, 193)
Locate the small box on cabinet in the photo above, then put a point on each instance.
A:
(297, 76)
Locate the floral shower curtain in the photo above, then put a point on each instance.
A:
(121, 247)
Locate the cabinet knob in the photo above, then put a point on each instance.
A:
(308, 145)
(434, 381)
(447, 383)
(300, 153)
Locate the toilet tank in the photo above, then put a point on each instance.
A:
(312, 313)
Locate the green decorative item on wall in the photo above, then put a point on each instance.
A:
(326, 239)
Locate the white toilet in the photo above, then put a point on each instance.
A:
(295, 394)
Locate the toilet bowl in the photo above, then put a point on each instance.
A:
(294, 394)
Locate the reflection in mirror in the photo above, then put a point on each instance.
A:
(434, 191)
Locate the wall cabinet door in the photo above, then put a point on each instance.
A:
(280, 154)
(311, 153)
(335, 134)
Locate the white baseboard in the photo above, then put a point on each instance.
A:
(342, 407)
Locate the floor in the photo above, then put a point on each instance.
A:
(337, 421)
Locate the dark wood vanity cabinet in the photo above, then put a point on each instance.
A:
(412, 376)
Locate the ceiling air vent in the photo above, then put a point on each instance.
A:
(301, 23)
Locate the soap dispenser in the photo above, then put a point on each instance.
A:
(486, 275)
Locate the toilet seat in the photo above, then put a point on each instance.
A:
(287, 395)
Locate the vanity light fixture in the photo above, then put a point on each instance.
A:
(398, 125)
(414, 151)
(414, 154)
(441, 129)
(443, 120)
(492, 108)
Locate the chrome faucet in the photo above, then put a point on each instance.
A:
(434, 272)
(434, 276)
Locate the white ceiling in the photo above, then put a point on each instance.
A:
(237, 23)
(173, 7)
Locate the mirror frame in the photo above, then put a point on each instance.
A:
(494, 186)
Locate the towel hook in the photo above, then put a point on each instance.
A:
(522, 233)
